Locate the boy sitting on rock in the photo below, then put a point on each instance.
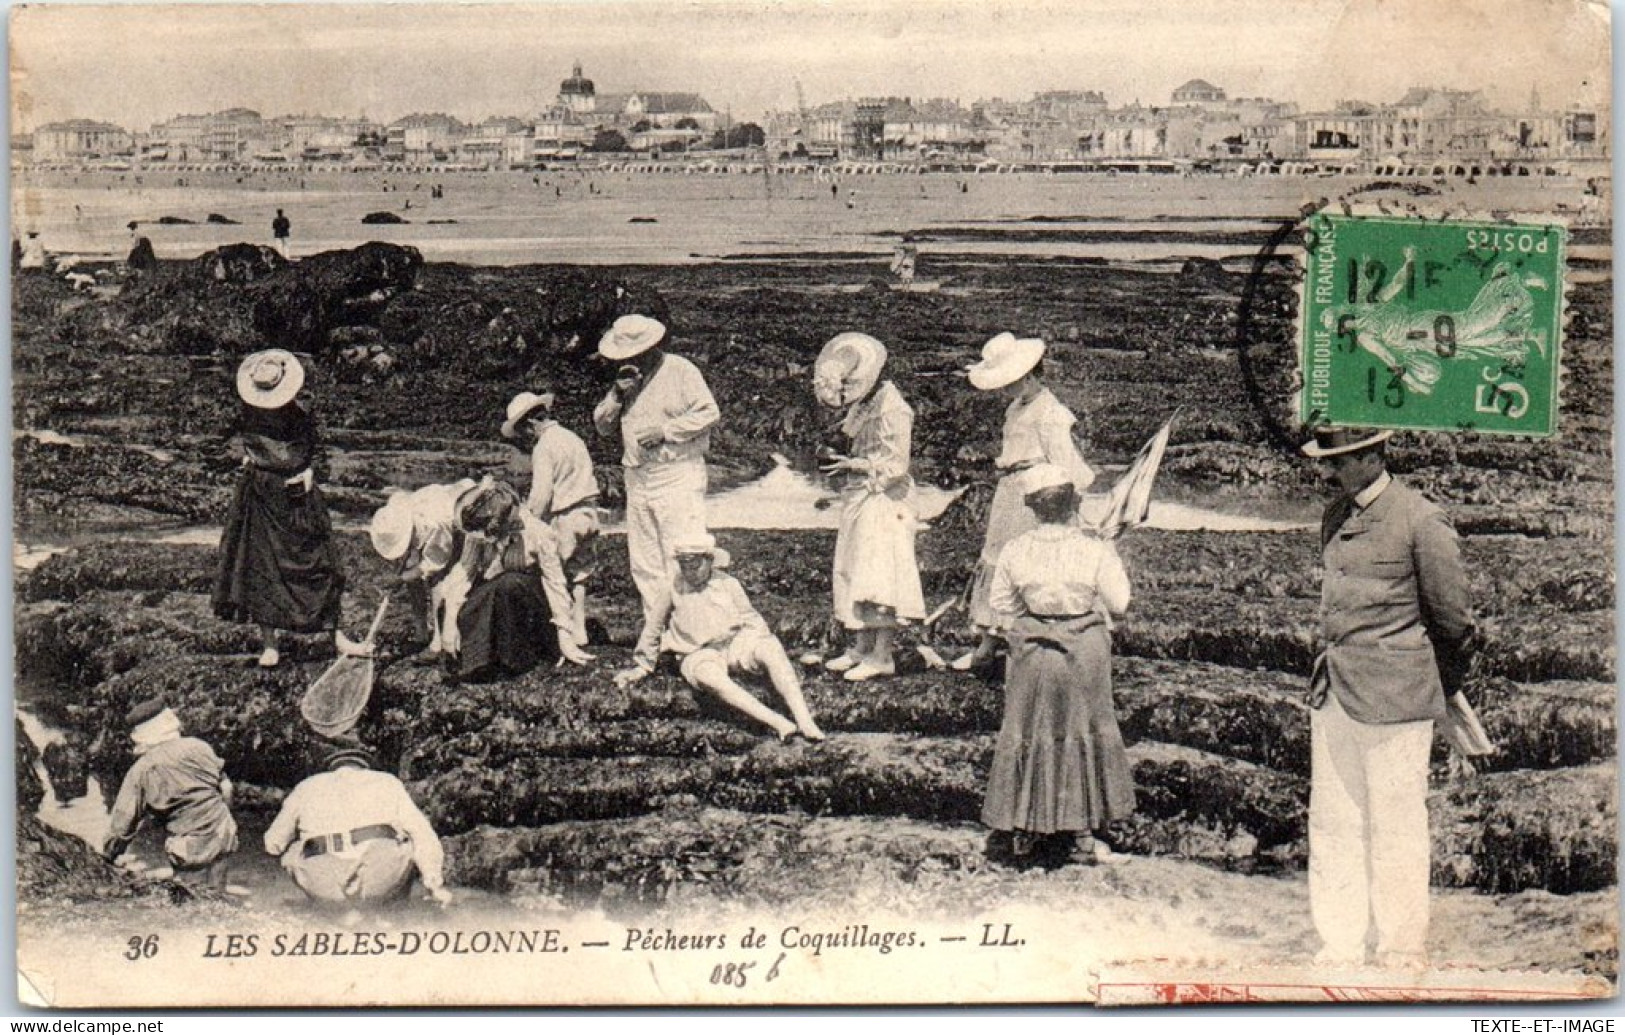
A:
(706, 618)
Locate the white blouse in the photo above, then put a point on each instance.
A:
(1039, 430)
(1058, 570)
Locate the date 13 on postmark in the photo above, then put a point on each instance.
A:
(1444, 326)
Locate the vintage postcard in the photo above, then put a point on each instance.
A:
(793, 503)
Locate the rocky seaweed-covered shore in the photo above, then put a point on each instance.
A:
(559, 783)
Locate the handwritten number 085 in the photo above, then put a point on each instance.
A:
(731, 973)
(139, 948)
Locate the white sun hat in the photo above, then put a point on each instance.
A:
(270, 379)
(391, 528)
(847, 368)
(521, 407)
(629, 336)
(1006, 359)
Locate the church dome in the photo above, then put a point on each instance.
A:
(577, 85)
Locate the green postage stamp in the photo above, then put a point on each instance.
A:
(1412, 323)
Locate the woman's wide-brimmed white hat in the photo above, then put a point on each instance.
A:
(630, 336)
(1006, 359)
(847, 367)
(521, 407)
(1337, 441)
(270, 379)
(391, 528)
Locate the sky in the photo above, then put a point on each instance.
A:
(136, 64)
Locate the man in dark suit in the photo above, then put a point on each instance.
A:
(1398, 627)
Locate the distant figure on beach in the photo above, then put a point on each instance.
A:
(280, 228)
(279, 567)
(905, 257)
(181, 782)
(663, 411)
(1037, 430)
(835, 191)
(876, 581)
(33, 252)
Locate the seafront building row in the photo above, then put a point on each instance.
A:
(1200, 127)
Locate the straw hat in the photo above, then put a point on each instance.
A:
(1337, 441)
(1039, 477)
(847, 368)
(705, 545)
(391, 528)
(520, 408)
(1006, 359)
(270, 379)
(630, 336)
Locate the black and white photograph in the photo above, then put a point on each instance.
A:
(638, 503)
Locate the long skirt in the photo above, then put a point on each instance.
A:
(278, 563)
(1059, 763)
(506, 627)
(875, 566)
(1007, 517)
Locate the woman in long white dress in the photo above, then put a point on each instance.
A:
(1037, 430)
(876, 580)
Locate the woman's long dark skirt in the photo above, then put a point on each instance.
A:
(278, 563)
(506, 627)
(1059, 763)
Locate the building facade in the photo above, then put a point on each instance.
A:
(81, 140)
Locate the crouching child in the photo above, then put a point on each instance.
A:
(183, 783)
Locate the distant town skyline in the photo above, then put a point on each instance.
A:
(137, 65)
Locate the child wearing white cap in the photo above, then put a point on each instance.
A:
(706, 617)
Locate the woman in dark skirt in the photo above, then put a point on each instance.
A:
(507, 625)
(278, 565)
(1060, 774)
